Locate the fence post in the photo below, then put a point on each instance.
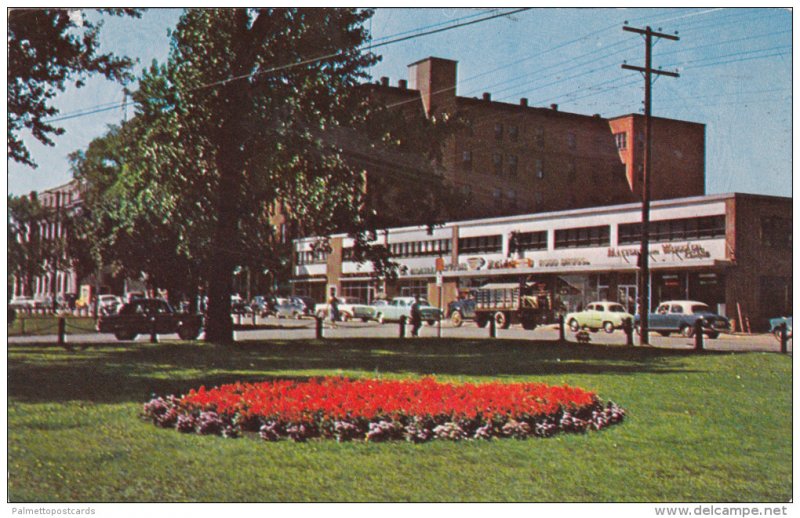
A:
(492, 327)
(62, 331)
(22, 326)
(153, 334)
(561, 332)
(627, 327)
(320, 335)
(254, 318)
(698, 334)
(402, 326)
(784, 338)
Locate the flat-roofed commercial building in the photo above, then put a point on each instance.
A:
(731, 251)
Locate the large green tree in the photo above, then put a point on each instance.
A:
(47, 48)
(252, 101)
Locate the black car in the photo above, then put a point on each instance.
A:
(145, 316)
(307, 302)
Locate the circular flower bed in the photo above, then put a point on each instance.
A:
(379, 410)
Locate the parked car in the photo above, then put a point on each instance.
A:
(345, 309)
(460, 310)
(289, 308)
(239, 306)
(400, 307)
(679, 316)
(775, 326)
(141, 315)
(367, 312)
(604, 315)
(307, 302)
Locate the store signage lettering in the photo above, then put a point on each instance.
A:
(687, 251)
(504, 264)
(566, 261)
(682, 251)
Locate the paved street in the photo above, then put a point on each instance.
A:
(305, 329)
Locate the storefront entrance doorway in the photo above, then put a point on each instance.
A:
(626, 295)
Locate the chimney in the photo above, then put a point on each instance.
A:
(554, 107)
(384, 81)
(487, 96)
(523, 101)
(403, 84)
(435, 78)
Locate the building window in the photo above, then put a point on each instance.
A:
(539, 138)
(583, 237)
(466, 160)
(430, 247)
(571, 168)
(531, 240)
(511, 194)
(539, 199)
(497, 195)
(498, 131)
(572, 141)
(513, 133)
(512, 165)
(497, 159)
(539, 166)
(776, 232)
(622, 140)
(480, 245)
(684, 229)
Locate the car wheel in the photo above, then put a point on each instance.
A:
(431, 323)
(529, 325)
(345, 317)
(457, 319)
(574, 326)
(188, 333)
(364, 319)
(379, 318)
(664, 333)
(124, 335)
(713, 334)
(298, 315)
(687, 331)
(501, 320)
(608, 327)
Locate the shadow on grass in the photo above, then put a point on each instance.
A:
(113, 373)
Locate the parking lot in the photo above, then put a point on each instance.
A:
(271, 328)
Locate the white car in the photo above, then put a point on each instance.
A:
(604, 315)
(345, 309)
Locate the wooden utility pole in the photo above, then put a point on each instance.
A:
(644, 253)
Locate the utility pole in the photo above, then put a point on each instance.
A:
(644, 253)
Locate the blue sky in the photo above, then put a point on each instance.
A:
(735, 77)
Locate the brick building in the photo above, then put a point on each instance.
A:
(516, 158)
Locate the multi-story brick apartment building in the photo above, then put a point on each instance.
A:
(516, 158)
(58, 202)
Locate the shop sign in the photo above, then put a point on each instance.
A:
(503, 264)
(681, 252)
(566, 261)
(687, 251)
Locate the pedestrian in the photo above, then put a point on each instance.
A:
(416, 317)
(334, 306)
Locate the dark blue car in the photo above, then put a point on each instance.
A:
(679, 316)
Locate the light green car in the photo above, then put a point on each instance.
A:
(604, 315)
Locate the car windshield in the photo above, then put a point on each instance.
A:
(616, 308)
(700, 308)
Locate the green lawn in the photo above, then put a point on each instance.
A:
(34, 325)
(708, 427)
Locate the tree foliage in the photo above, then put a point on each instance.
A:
(46, 49)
